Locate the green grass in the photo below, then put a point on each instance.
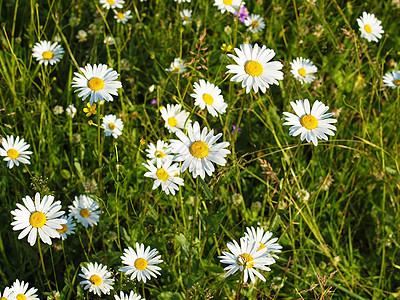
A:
(342, 243)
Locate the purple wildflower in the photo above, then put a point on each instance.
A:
(234, 127)
(154, 101)
(242, 14)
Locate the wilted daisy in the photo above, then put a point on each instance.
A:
(246, 259)
(67, 228)
(112, 3)
(122, 17)
(85, 210)
(370, 27)
(15, 151)
(97, 279)
(7, 294)
(20, 291)
(47, 53)
(302, 70)
(131, 296)
(263, 239)
(228, 5)
(255, 23)
(71, 111)
(177, 66)
(392, 79)
(186, 16)
(112, 125)
(198, 150)
(98, 81)
(208, 95)
(81, 36)
(161, 150)
(174, 118)
(39, 217)
(311, 124)
(254, 68)
(165, 174)
(142, 263)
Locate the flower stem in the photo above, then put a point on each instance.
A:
(42, 261)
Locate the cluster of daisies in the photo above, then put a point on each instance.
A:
(120, 15)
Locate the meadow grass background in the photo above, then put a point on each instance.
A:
(342, 243)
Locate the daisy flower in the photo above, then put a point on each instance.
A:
(112, 125)
(208, 95)
(198, 150)
(47, 53)
(161, 150)
(131, 296)
(97, 279)
(142, 263)
(177, 66)
(392, 79)
(246, 259)
(254, 68)
(311, 124)
(263, 240)
(255, 23)
(122, 17)
(20, 291)
(112, 3)
(312, 2)
(67, 228)
(71, 111)
(165, 174)
(7, 294)
(85, 210)
(174, 118)
(109, 40)
(186, 16)
(228, 5)
(15, 151)
(39, 217)
(302, 70)
(370, 27)
(98, 82)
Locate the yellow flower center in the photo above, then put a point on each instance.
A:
(246, 260)
(3, 298)
(255, 24)
(396, 82)
(85, 213)
(208, 99)
(21, 297)
(227, 2)
(95, 279)
(302, 72)
(172, 122)
(175, 70)
(12, 153)
(120, 15)
(186, 18)
(62, 230)
(37, 219)
(111, 2)
(162, 174)
(367, 28)
(262, 246)
(48, 55)
(96, 84)
(141, 264)
(308, 121)
(159, 154)
(111, 126)
(253, 68)
(199, 149)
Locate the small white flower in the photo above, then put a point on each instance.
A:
(186, 16)
(131, 296)
(39, 217)
(71, 111)
(81, 36)
(312, 2)
(174, 118)
(112, 3)
(392, 79)
(208, 95)
(177, 66)
(109, 40)
(67, 228)
(58, 110)
(161, 150)
(97, 279)
(112, 125)
(122, 17)
(15, 151)
(263, 240)
(85, 210)
(47, 53)
(302, 70)
(20, 291)
(370, 27)
(229, 5)
(142, 263)
(255, 23)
